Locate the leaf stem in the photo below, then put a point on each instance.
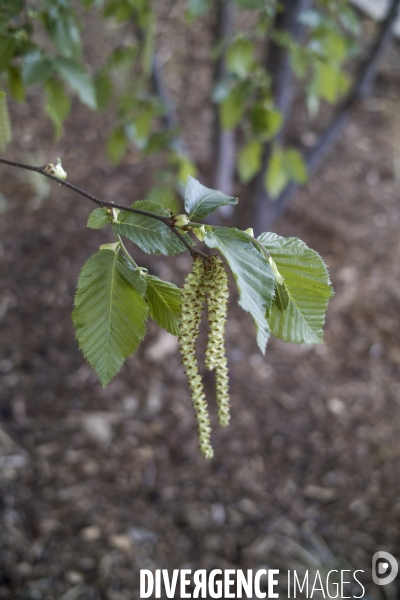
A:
(260, 245)
(125, 251)
(194, 224)
(192, 251)
(102, 203)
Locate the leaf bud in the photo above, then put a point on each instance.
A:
(56, 170)
(200, 233)
(114, 246)
(180, 220)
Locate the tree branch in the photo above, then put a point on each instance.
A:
(269, 211)
(104, 204)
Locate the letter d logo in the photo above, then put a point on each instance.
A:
(384, 568)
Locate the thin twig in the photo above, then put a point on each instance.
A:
(78, 190)
(192, 251)
(102, 203)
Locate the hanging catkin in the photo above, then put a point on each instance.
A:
(192, 308)
(217, 294)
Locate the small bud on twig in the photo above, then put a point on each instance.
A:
(56, 170)
(180, 220)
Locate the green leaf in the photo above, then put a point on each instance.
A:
(350, 20)
(185, 168)
(284, 166)
(78, 79)
(164, 300)
(201, 201)
(7, 50)
(140, 129)
(274, 123)
(295, 165)
(165, 196)
(335, 47)
(151, 235)
(299, 61)
(120, 10)
(98, 218)
(15, 83)
(104, 90)
(63, 32)
(198, 8)
(307, 282)
(5, 125)
(12, 8)
(36, 68)
(231, 109)
(266, 122)
(240, 58)
(252, 272)
(117, 145)
(157, 142)
(249, 161)
(110, 312)
(311, 18)
(148, 26)
(276, 177)
(328, 81)
(58, 105)
(283, 38)
(122, 57)
(250, 4)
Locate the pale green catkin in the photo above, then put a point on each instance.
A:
(222, 393)
(217, 294)
(191, 311)
(5, 126)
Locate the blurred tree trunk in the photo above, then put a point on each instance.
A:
(224, 141)
(261, 206)
(283, 88)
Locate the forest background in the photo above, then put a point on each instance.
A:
(98, 484)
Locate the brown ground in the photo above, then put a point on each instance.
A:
(98, 484)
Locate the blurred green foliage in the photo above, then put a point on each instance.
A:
(243, 95)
